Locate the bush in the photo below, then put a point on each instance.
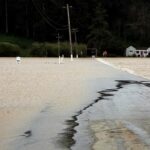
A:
(9, 50)
(65, 49)
(44, 50)
(51, 49)
(13, 46)
(80, 49)
(22, 42)
(37, 50)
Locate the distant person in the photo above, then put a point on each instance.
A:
(105, 53)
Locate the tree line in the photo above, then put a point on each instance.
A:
(112, 25)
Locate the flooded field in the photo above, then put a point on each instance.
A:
(50, 106)
(119, 118)
(137, 66)
(38, 95)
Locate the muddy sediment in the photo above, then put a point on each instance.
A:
(137, 66)
(109, 134)
(38, 95)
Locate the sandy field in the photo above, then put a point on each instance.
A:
(137, 66)
(114, 131)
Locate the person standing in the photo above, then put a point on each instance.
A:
(105, 53)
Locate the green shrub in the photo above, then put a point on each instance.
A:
(65, 49)
(51, 49)
(80, 49)
(37, 49)
(24, 43)
(44, 50)
(9, 50)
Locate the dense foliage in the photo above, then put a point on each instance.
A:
(103, 24)
(7, 49)
(17, 46)
(51, 49)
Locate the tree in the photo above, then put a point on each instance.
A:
(98, 31)
(137, 26)
(109, 24)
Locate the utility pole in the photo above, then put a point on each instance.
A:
(69, 29)
(75, 38)
(6, 16)
(58, 41)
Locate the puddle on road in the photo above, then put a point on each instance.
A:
(67, 138)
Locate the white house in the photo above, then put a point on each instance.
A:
(130, 51)
(148, 50)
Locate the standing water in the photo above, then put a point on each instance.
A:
(53, 106)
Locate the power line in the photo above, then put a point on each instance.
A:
(43, 16)
(54, 21)
(49, 18)
(46, 18)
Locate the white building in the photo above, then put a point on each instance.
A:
(131, 51)
(148, 50)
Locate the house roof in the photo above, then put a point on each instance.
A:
(131, 47)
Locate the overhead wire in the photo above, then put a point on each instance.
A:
(47, 19)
